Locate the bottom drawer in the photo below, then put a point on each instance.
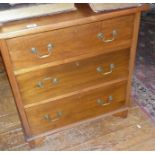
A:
(45, 117)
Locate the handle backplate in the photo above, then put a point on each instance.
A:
(102, 102)
(41, 84)
(50, 119)
(101, 36)
(100, 69)
(37, 53)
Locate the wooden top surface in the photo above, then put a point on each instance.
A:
(83, 15)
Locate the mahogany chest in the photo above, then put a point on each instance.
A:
(70, 67)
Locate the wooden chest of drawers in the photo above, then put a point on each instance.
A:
(70, 67)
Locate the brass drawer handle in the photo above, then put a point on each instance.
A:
(50, 119)
(103, 103)
(101, 36)
(100, 69)
(54, 81)
(37, 53)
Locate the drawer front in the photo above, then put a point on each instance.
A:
(62, 112)
(56, 81)
(66, 43)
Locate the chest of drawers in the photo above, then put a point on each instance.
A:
(71, 67)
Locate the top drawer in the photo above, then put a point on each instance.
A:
(57, 45)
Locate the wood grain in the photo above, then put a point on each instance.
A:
(83, 15)
(9, 122)
(7, 103)
(72, 77)
(125, 45)
(83, 134)
(122, 114)
(14, 86)
(11, 139)
(75, 108)
(69, 42)
(76, 54)
(132, 55)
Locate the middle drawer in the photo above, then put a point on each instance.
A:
(55, 81)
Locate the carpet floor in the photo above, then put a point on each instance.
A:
(144, 75)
